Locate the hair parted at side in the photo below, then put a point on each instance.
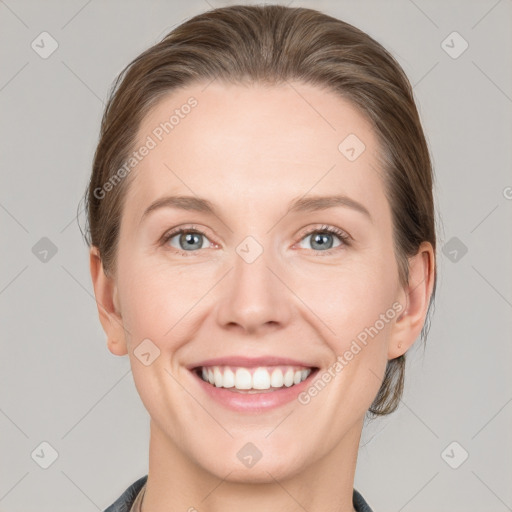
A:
(273, 44)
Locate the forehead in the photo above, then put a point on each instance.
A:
(255, 146)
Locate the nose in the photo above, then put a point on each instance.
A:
(254, 296)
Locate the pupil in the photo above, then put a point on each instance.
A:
(321, 240)
(189, 238)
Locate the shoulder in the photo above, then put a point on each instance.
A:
(360, 503)
(125, 501)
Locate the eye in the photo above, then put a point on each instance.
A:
(321, 239)
(186, 240)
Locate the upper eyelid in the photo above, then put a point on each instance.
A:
(171, 233)
(325, 227)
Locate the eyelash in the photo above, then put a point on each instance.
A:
(345, 239)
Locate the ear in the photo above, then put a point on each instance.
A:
(105, 291)
(416, 297)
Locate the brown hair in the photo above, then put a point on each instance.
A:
(272, 44)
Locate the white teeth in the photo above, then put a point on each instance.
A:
(288, 378)
(217, 377)
(261, 379)
(255, 378)
(277, 379)
(243, 379)
(229, 379)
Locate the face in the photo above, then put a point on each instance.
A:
(266, 282)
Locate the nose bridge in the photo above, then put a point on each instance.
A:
(251, 263)
(253, 297)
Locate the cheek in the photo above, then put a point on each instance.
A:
(146, 306)
(150, 299)
(349, 297)
(354, 310)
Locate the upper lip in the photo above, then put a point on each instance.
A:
(250, 362)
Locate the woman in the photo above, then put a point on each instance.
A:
(262, 246)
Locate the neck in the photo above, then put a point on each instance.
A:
(175, 482)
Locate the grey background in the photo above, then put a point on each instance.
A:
(60, 384)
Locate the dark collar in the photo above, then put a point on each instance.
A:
(125, 501)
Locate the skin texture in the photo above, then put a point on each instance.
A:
(250, 151)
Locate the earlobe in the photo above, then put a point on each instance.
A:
(107, 302)
(408, 325)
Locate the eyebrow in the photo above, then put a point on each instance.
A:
(303, 204)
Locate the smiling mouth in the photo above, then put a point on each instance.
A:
(263, 379)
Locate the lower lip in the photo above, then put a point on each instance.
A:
(254, 402)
